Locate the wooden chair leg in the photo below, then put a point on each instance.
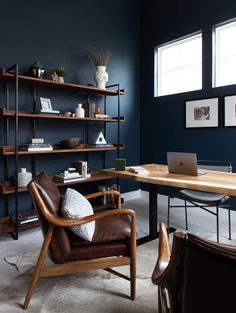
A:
(38, 267)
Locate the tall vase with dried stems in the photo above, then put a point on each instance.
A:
(100, 60)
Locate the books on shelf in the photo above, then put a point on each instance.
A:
(25, 219)
(36, 147)
(68, 177)
(99, 145)
(101, 116)
(89, 109)
(138, 170)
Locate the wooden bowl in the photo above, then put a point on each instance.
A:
(70, 143)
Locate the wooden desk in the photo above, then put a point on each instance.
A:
(212, 181)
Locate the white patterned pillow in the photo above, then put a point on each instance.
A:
(75, 205)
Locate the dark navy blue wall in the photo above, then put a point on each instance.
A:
(163, 118)
(59, 32)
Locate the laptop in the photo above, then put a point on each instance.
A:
(183, 163)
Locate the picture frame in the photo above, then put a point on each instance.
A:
(202, 113)
(46, 106)
(230, 111)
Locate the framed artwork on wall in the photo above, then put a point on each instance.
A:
(202, 113)
(230, 111)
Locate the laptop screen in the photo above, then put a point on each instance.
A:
(182, 163)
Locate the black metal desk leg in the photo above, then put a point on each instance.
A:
(153, 216)
(153, 211)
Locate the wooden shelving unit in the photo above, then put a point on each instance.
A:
(10, 150)
(4, 112)
(7, 188)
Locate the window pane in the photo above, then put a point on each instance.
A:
(225, 55)
(179, 66)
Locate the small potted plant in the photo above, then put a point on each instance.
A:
(58, 73)
(100, 60)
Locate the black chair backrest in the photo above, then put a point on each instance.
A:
(211, 165)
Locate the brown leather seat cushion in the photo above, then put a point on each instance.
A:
(111, 238)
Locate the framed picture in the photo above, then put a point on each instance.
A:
(230, 111)
(46, 105)
(202, 113)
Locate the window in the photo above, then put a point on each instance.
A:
(224, 57)
(178, 66)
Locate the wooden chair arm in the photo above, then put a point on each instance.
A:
(68, 222)
(103, 193)
(163, 254)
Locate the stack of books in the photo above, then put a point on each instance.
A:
(101, 116)
(25, 219)
(36, 147)
(138, 170)
(89, 109)
(66, 177)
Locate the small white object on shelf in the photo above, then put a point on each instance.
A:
(24, 177)
(79, 112)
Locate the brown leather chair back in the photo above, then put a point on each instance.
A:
(51, 197)
(198, 277)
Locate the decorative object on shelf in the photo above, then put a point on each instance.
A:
(98, 111)
(120, 164)
(202, 113)
(71, 143)
(81, 167)
(46, 106)
(58, 73)
(24, 177)
(37, 70)
(79, 111)
(68, 113)
(100, 142)
(230, 111)
(100, 60)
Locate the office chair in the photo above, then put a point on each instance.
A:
(202, 199)
(196, 277)
(113, 243)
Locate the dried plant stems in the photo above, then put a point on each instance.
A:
(99, 58)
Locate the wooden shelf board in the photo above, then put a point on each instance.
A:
(4, 112)
(10, 150)
(96, 176)
(50, 83)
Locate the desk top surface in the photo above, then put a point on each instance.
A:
(212, 181)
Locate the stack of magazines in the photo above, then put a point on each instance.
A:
(25, 219)
(138, 170)
(36, 147)
(68, 177)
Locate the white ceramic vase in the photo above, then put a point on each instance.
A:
(101, 77)
(79, 111)
(60, 79)
(24, 177)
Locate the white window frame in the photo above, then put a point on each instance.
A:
(215, 52)
(157, 62)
